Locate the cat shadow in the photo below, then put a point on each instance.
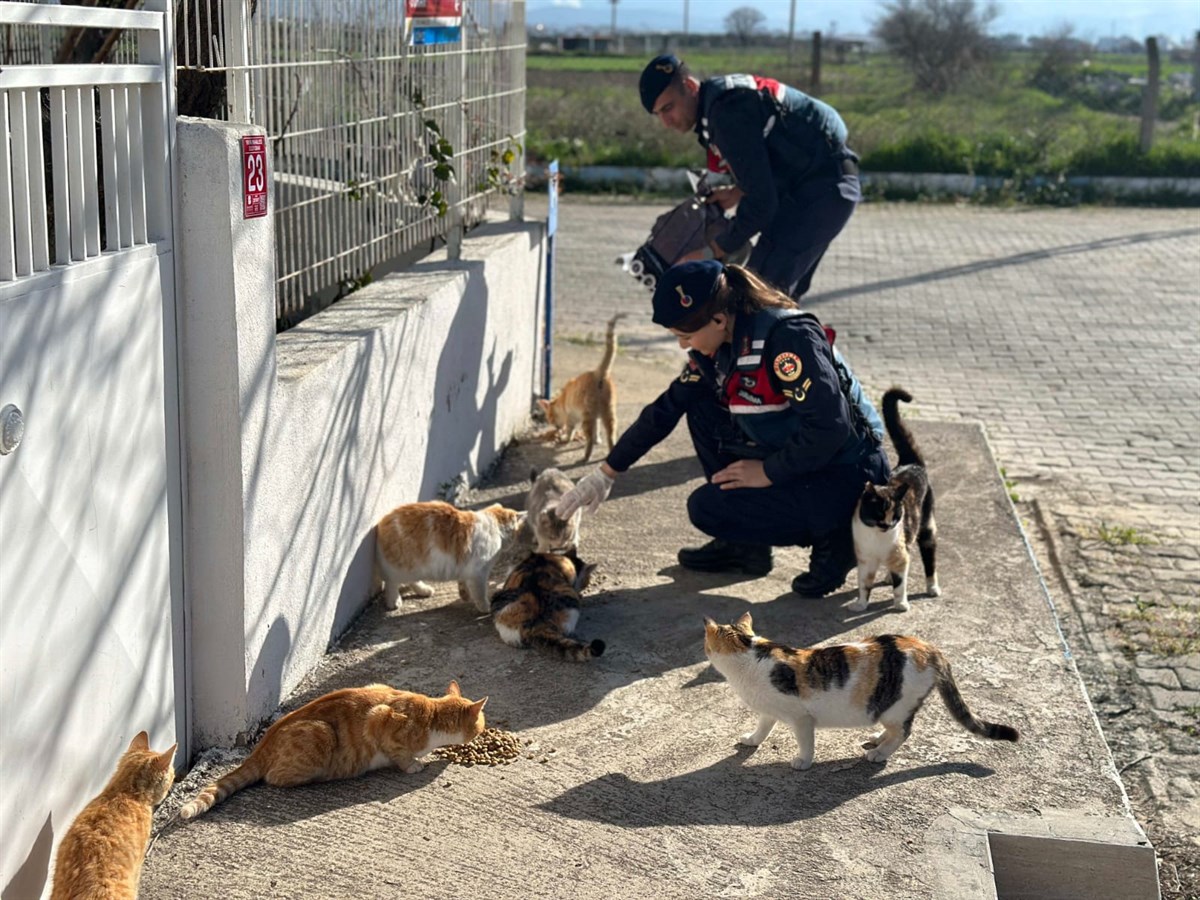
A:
(29, 880)
(731, 792)
(268, 807)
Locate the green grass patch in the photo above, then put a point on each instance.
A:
(1122, 536)
(584, 110)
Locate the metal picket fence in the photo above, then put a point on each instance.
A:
(361, 123)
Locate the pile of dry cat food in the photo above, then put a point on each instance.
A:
(492, 748)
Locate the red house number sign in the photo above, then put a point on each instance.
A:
(254, 176)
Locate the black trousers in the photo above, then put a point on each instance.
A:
(798, 513)
(788, 251)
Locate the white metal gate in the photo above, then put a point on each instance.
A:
(90, 584)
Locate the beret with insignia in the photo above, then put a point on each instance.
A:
(684, 289)
(655, 77)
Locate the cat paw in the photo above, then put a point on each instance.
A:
(901, 605)
(857, 605)
(933, 590)
(800, 763)
(749, 739)
(876, 755)
(414, 767)
(871, 743)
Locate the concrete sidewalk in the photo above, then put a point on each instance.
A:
(643, 790)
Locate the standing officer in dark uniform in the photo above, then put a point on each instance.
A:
(783, 431)
(797, 181)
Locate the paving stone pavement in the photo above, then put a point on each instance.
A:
(1074, 335)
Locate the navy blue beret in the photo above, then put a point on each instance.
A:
(655, 77)
(683, 289)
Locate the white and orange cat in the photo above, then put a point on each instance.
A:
(101, 853)
(438, 542)
(347, 733)
(586, 398)
(880, 681)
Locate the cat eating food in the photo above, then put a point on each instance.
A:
(880, 680)
(101, 853)
(586, 398)
(439, 542)
(890, 518)
(539, 606)
(349, 732)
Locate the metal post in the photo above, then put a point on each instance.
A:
(551, 228)
(237, 59)
(815, 81)
(1150, 97)
(791, 33)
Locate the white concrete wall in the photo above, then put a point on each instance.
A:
(86, 648)
(297, 445)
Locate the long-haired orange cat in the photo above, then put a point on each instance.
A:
(586, 398)
(101, 854)
(346, 733)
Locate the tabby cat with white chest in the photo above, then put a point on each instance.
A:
(880, 681)
(438, 542)
(890, 518)
(539, 605)
(349, 732)
(101, 854)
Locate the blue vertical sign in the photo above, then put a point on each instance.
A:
(551, 228)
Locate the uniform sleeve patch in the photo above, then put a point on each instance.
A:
(787, 366)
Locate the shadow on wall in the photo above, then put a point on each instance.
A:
(30, 879)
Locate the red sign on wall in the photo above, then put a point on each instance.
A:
(254, 176)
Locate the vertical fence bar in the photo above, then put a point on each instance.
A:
(8, 262)
(137, 167)
(157, 47)
(91, 199)
(58, 167)
(37, 180)
(75, 176)
(108, 157)
(124, 173)
(19, 184)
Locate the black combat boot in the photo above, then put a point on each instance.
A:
(725, 556)
(832, 559)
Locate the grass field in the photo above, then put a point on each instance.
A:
(584, 110)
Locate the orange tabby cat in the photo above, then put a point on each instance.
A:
(346, 733)
(101, 854)
(586, 398)
(435, 540)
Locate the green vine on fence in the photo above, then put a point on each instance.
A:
(442, 153)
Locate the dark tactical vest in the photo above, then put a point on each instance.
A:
(762, 412)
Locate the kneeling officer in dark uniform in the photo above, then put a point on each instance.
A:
(782, 429)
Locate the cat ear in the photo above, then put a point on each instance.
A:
(745, 623)
(533, 475)
(867, 485)
(163, 763)
(544, 404)
(453, 690)
(709, 623)
(478, 705)
(141, 741)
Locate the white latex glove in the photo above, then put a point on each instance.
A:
(588, 494)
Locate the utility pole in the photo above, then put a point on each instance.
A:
(613, 28)
(1150, 97)
(791, 33)
(685, 21)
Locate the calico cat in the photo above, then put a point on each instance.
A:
(880, 680)
(890, 518)
(347, 733)
(586, 398)
(101, 853)
(539, 605)
(437, 541)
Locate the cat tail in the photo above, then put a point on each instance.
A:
(903, 440)
(610, 347)
(567, 648)
(243, 776)
(958, 706)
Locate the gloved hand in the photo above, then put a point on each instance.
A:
(588, 494)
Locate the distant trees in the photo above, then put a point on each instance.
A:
(942, 41)
(1059, 54)
(743, 22)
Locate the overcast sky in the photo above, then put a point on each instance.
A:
(1178, 19)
